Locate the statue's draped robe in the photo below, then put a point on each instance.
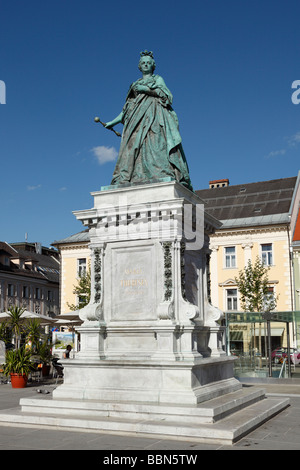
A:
(151, 144)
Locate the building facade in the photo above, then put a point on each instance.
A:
(74, 261)
(256, 222)
(29, 278)
(296, 259)
(295, 235)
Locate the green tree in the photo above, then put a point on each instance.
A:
(4, 332)
(16, 323)
(33, 331)
(255, 295)
(254, 289)
(82, 290)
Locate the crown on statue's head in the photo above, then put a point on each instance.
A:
(145, 53)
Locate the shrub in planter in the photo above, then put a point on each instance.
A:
(18, 365)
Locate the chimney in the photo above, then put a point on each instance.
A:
(38, 248)
(219, 183)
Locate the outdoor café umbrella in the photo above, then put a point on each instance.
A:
(71, 316)
(45, 320)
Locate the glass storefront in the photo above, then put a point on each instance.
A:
(265, 344)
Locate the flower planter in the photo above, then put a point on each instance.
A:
(18, 380)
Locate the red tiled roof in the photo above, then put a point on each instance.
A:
(296, 237)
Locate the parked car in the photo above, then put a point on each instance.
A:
(295, 357)
(280, 353)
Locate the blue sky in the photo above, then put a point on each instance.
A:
(229, 64)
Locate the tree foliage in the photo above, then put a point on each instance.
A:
(82, 290)
(33, 331)
(253, 286)
(4, 332)
(16, 322)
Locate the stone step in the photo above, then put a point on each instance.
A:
(225, 431)
(207, 412)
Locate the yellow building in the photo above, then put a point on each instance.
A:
(255, 222)
(74, 259)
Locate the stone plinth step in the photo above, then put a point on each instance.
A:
(208, 412)
(201, 423)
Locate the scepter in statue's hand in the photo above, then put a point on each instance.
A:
(97, 119)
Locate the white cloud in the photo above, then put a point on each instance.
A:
(275, 153)
(294, 139)
(104, 154)
(33, 188)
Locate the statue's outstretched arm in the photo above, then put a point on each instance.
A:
(115, 121)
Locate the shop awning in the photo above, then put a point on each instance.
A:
(277, 331)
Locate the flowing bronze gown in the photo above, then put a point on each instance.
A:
(151, 148)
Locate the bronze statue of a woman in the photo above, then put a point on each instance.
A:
(151, 148)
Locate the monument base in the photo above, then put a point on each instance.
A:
(148, 381)
(223, 420)
(152, 360)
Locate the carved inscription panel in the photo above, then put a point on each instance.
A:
(133, 283)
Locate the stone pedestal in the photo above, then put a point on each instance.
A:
(149, 332)
(151, 360)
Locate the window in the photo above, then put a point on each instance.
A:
(25, 292)
(269, 300)
(10, 290)
(81, 267)
(266, 254)
(50, 296)
(81, 300)
(37, 293)
(231, 299)
(230, 259)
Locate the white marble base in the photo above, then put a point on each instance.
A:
(222, 420)
(149, 332)
(148, 381)
(152, 359)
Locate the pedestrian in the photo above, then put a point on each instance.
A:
(66, 354)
